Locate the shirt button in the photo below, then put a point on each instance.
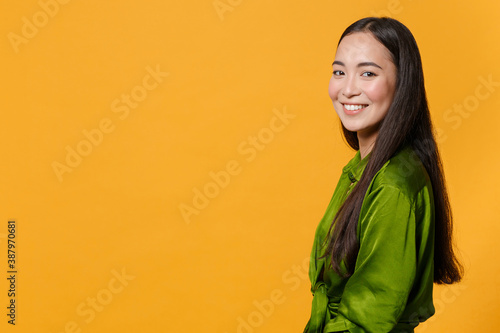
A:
(351, 177)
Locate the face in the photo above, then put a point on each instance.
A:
(363, 83)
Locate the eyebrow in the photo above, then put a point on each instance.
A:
(361, 64)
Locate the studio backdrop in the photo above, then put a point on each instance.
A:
(164, 164)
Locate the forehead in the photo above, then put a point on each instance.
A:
(362, 46)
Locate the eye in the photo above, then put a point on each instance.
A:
(368, 74)
(338, 73)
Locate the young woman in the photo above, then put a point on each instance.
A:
(386, 235)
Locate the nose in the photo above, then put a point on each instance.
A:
(351, 87)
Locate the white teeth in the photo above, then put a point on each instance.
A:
(352, 107)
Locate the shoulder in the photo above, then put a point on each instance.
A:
(403, 173)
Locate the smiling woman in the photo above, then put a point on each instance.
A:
(386, 235)
(362, 86)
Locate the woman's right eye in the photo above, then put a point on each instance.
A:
(337, 73)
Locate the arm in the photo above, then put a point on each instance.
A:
(376, 294)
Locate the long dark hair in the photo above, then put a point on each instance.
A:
(407, 122)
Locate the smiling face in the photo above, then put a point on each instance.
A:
(363, 84)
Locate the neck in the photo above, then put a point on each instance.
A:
(366, 143)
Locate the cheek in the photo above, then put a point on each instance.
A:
(380, 92)
(333, 89)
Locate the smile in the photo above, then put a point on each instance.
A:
(354, 107)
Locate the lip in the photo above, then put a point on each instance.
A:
(352, 112)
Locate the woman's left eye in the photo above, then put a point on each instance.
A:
(368, 74)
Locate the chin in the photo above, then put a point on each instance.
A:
(352, 127)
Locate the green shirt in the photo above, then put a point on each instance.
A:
(391, 287)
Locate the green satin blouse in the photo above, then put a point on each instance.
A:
(391, 287)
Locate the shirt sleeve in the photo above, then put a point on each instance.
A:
(376, 294)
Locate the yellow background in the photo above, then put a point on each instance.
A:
(230, 73)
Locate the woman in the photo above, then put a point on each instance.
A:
(386, 234)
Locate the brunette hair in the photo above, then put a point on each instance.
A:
(407, 122)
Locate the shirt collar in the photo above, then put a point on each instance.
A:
(356, 166)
